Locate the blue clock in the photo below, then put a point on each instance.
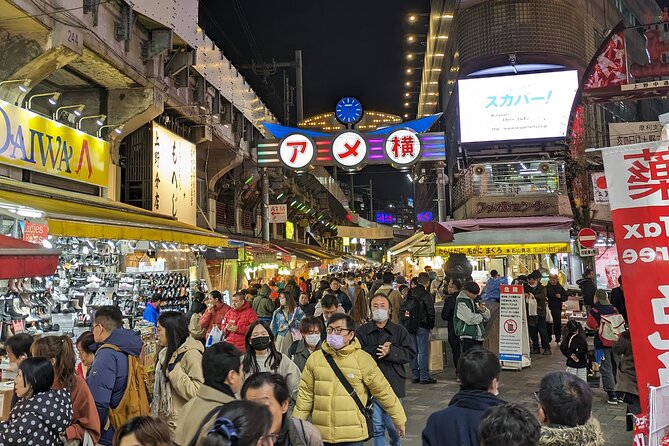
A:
(348, 110)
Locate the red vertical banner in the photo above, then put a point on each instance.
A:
(637, 177)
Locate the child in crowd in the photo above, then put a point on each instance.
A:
(574, 347)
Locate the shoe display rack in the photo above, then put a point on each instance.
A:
(137, 288)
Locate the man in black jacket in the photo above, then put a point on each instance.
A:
(588, 288)
(390, 345)
(618, 299)
(447, 313)
(419, 370)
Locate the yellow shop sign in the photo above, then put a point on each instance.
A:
(503, 250)
(33, 142)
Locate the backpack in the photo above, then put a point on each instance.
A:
(409, 314)
(135, 399)
(610, 327)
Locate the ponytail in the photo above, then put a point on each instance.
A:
(59, 350)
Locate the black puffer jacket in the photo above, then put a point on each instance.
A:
(38, 420)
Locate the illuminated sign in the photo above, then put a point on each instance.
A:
(528, 106)
(384, 218)
(423, 217)
(349, 150)
(290, 230)
(503, 250)
(278, 213)
(174, 182)
(403, 148)
(297, 151)
(33, 142)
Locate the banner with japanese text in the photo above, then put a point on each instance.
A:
(637, 177)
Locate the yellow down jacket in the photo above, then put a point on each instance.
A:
(332, 410)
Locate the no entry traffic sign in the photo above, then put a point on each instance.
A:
(587, 238)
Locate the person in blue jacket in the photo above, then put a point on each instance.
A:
(458, 424)
(108, 376)
(491, 290)
(152, 310)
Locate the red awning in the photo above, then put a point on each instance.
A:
(446, 229)
(19, 259)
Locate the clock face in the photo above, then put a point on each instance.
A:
(349, 110)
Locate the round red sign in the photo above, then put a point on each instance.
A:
(587, 238)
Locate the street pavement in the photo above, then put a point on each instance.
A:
(515, 386)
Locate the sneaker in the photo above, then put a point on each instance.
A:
(428, 381)
(415, 381)
(613, 399)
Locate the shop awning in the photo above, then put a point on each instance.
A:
(19, 259)
(71, 214)
(306, 252)
(420, 244)
(446, 229)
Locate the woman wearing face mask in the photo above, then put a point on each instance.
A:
(262, 356)
(286, 322)
(312, 330)
(41, 414)
(178, 376)
(323, 397)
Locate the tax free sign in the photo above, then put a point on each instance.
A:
(638, 183)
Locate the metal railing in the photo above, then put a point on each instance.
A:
(509, 179)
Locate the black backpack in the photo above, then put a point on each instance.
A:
(409, 314)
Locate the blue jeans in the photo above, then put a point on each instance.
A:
(421, 341)
(382, 421)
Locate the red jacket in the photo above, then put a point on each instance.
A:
(213, 316)
(85, 415)
(242, 318)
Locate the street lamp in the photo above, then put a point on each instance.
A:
(78, 109)
(100, 119)
(118, 129)
(53, 100)
(25, 83)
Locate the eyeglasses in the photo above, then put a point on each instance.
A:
(337, 330)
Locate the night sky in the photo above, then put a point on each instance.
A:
(349, 48)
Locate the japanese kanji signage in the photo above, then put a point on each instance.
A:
(403, 148)
(33, 142)
(511, 304)
(600, 192)
(278, 213)
(297, 151)
(623, 133)
(174, 182)
(349, 150)
(503, 250)
(527, 106)
(638, 184)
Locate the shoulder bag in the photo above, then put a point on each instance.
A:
(365, 410)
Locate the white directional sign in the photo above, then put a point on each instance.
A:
(349, 150)
(278, 213)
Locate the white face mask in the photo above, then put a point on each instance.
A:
(380, 315)
(312, 339)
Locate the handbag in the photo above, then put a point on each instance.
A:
(549, 316)
(365, 410)
(87, 441)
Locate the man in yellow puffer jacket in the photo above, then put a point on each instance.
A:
(322, 396)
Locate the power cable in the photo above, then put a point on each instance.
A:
(9, 19)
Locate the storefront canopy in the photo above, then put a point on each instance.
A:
(445, 230)
(420, 244)
(23, 259)
(305, 252)
(72, 214)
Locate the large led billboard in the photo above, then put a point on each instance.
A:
(524, 106)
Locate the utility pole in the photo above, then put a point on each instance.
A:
(298, 85)
(265, 206)
(371, 201)
(352, 203)
(441, 191)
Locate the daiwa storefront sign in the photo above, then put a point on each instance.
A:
(637, 177)
(33, 142)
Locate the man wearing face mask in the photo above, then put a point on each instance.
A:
(322, 395)
(390, 345)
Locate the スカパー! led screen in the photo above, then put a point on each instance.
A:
(527, 106)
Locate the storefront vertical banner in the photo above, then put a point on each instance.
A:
(511, 323)
(638, 182)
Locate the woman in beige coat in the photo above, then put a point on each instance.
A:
(179, 369)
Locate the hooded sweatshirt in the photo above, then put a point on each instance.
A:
(38, 420)
(589, 434)
(108, 376)
(458, 424)
(262, 304)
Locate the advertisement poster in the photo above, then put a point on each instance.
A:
(511, 303)
(637, 177)
(174, 181)
(35, 232)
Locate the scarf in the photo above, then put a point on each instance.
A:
(161, 404)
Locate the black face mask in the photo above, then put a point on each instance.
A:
(260, 343)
